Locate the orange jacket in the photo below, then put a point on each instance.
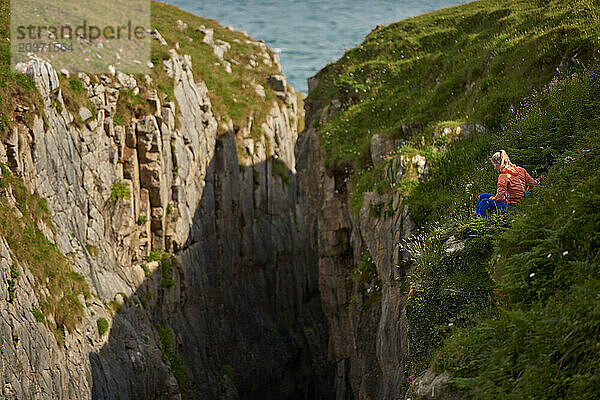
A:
(513, 182)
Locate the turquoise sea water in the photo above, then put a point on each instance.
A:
(309, 34)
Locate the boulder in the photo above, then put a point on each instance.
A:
(277, 83)
(260, 90)
(430, 385)
(453, 245)
(382, 146)
(420, 163)
(220, 47)
(128, 82)
(180, 25)
(85, 114)
(466, 130)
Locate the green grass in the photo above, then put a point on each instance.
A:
(462, 64)
(231, 95)
(115, 306)
(39, 316)
(229, 371)
(170, 356)
(92, 250)
(524, 308)
(49, 267)
(102, 324)
(157, 255)
(119, 191)
(12, 283)
(147, 271)
(279, 169)
(366, 280)
(75, 96)
(15, 88)
(130, 105)
(167, 263)
(167, 280)
(449, 290)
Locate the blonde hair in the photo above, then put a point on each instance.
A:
(501, 159)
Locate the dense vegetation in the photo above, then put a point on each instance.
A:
(523, 291)
(462, 64)
(543, 339)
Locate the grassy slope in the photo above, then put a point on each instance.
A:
(524, 293)
(231, 95)
(466, 63)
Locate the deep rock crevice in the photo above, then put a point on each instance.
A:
(238, 315)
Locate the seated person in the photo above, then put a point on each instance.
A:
(513, 185)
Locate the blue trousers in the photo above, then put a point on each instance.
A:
(487, 205)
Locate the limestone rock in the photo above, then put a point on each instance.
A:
(430, 385)
(466, 130)
(260, 90)
(128, 82)
(420, 162)
(277, 83)
(382, 146)
(43, 74)
(157, 36)
(85, 114)
(220, 47)
(453, 245)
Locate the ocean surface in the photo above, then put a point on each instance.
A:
(309, 34)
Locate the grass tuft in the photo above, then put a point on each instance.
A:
(119, 191)
(102, 324)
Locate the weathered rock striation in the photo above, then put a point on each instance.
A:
(366, 310)
(235, 314)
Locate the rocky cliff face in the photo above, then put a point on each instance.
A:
(232, 312)
(361, 273)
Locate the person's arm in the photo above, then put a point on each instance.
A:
(501, 190)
